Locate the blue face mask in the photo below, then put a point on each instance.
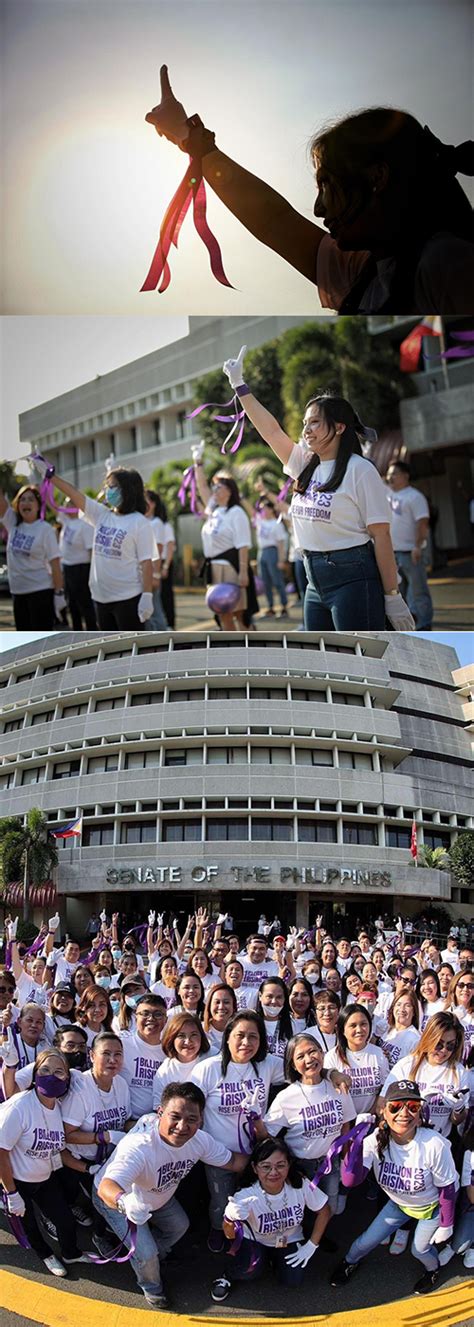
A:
(116, 955)
(103, 981)
(115, 1005)
(113, 497)
(131, 1001)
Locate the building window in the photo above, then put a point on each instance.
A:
(116, 704)
(306, 755)
(152, 649)
(13, 725)
(70, 711)
(339, 649)
(7, 780)
(53, 668)
(67, 769)
(354, 760)
(142, 759)
(95, 836)
(186, 831)
(314, 697)
(196, 694)
(81, 663)
(45, 717)
(277, 831)
(437, 840)
(226, 829)
(227, 693)
(100, 764)
(194, 755)
(356, 833)
(346, 698)
(148, 698)
(227, 755)
(266, 755)
(268, 693)
(36, 775)
(138, 831)
(317, 831)
(156, 424)
(397, 838)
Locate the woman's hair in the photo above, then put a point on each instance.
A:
(427, 972)
(284, 1018)
(345, 992)
(85, 1002)
(453, 986)
(261, 1152)
(291, 1074)
(82, 967)
(167, 958)
(219, 986)
(194, 975)
(199, 950)
(345, 1014)
(435, 1027)
(234, 499)
(415, 1008)
(160, 509)
(130, 483)
(173, 1028)
(30, 1004)
(334, 410)
(310, 1015)
(244, 1016)
(107, 1035)
(327, 997)
(27, 488)
(41, 1059)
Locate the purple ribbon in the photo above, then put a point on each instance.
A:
(236, 418)
(16, 1225)
(113, 1257)
(246, 1129)
(46, 489)
(37, 945)
(189, 482)
(101, 1153)
(358, 1132)
(141, 933)
(8, 955)
(284, 491)
(237, 1240)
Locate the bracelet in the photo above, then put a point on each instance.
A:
(243, 390)
(200, 141)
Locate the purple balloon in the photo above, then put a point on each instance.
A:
(259, 586)
(223, 598)
(291, 589)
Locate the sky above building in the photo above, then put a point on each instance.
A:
(88, 180)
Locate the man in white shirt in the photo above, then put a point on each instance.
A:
(410, 530)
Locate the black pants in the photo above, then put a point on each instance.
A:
(121, 614)
(167, 597)
(50, 1197)
(34, 612)
(81, 608)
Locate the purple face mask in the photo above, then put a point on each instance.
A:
(51, 1086)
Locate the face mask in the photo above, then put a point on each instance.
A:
(269, 1010)
(131, 1001)
(313, 978)
(102, 981)
(76, 1059)
(116, 955)
(51, 1085)
(113, 497)
(115, 1005)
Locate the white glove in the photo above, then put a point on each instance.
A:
(365, 1118)
(221, 918)
(15, 1204)
(442, 1234)
(115, 1135)
(160, 918)
(197, 450)
(250, 1102)
(134, 1208)
(53, 957)
(151, 918)
(38, 464)
(398, 613)
(174, 923)
(12, 930)
(234, 370)
(59, 602)
(145, 606)
(103, 916)
(303, 1254)
(54, 923)
(92, 1170)
(169, 118)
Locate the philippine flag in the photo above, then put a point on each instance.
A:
(73, 829)
(410, 348)
(413, 843)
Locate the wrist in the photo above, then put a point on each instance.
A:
(200, 141)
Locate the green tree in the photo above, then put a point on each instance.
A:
(437, 858)
(9, 481)
(461, 856)
(26, 851)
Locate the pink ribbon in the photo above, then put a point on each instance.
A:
(236, 418)
(189, 482)
(192, 187)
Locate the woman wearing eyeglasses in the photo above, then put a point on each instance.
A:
(415, 1170)
(436, 1065)
(460, 1001)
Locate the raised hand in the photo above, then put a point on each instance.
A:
(197, 450)
(234, 370)
(169, 118)
(11, 929)
(151, 918)
(54, 923)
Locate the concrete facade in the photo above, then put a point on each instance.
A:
(260, 767)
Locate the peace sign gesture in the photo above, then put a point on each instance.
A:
(169, 118)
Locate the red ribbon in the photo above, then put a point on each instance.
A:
(192, 187)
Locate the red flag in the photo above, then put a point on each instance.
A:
(413, 842)
(410, 348)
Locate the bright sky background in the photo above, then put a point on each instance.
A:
(461, 641)
(87, 180)
(41, 357)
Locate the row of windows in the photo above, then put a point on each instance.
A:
(216, 755)
(178, 696)
(261, 830)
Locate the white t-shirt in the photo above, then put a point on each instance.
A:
(397, 1044)
(121, 543)
(33, 1135)
(140, 1063)
(407, 507)
(75, 541)
(158, 527)
(428, 1008)
(433, 1081)
(89, 1108)
(17, 1053)
(413, 1173)
(451, 956)
(367, 1071)
(144, 1164)
(64, 970)
(275, 1219)
(466, 1019)
(30, 550)
(255, 973)
(225, 527)
(30, 992)
(276, 1042)
(270, 533)
(324, 522)
(467, 1172)
(224, 1095)
(172, 1071)
(167, 992)
(312, 1116)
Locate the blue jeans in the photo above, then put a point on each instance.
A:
(272, 575)
(386, 1223)
(300, 576)
(463, 1231)
(414, 588)
(157, 621)
(155, 1238)
(345, 592)
(221, 1183)
(238, 1268)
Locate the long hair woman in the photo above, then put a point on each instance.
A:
(436, 1065)
(460, 1001)
(226, 541)
(33, 561)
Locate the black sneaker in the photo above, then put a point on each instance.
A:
(105, 1244)
(158, 1301)
(343, 1272)
(216, 1241)
(220, 1289)
(427, 1283)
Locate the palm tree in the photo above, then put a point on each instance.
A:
(437, 858)
(27, 851)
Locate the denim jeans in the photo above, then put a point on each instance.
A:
(238, 1268)
(414, 588)
(463, 1231)
(221, 1183)
(155, 1238)
(157, 621)
(328, 1184)
(272, 575)
(344, 591)
(386, 1223)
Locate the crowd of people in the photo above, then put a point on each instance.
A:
(273, 1072)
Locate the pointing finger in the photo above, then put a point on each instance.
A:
(165, 83)
(242, 352)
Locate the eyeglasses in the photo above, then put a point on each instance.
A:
(267, 1170)
(445, 1046)
(396, 1106)
(7, 990)
(408, 981)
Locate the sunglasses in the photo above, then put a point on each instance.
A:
(396, 1106)
(445, 1046)
(7, 990)
(466, 986)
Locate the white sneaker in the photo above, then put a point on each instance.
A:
(445, 1255)
(55, 1266)
(80, 1257)
(399, 1241)
(468, 1259)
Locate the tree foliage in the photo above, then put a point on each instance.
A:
(461, 856)
(437, 858)
(30, 841)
